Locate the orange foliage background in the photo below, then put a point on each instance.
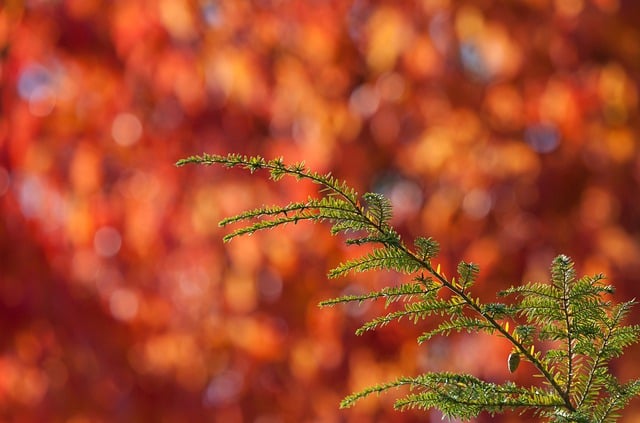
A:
(508, 130)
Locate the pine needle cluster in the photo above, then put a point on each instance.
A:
(567, 328)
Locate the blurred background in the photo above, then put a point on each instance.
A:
(507, 130)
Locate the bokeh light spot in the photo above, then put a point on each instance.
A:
(477, 203)
(42, 101)
(177, 19)
(543, 138)
(473, 59)
(469, 22)
(32, 78)
(107, 241)
(211, 14)
(223, 389)
(270, 286)
(126, 129)
(31, 196)
(123, 304)
(364, 101)
(388, 36)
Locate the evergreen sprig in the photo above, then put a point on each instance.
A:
(567, 328)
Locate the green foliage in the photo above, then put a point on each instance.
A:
(462, 396)
(566, 328)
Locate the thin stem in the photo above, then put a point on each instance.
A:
(597, 361)
(570, 340)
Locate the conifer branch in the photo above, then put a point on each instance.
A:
(586, 330)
